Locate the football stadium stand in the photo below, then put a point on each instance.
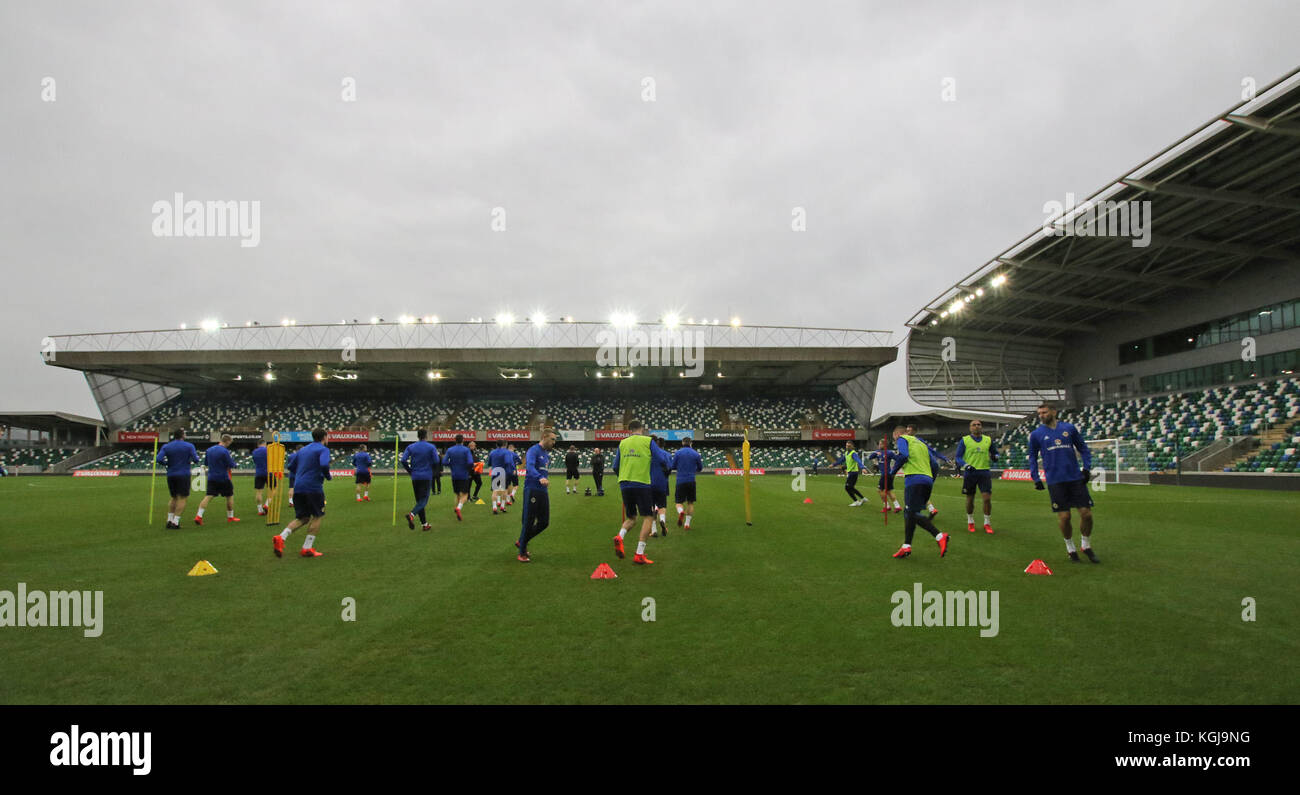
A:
(1183, 421)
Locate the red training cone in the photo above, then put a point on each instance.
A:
(1037, 567)
(603, 572)
(807, 501)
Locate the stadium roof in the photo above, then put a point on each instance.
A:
(484, 355)
(935, 415)
(1224, 197)
(131, 372)
(46, 420)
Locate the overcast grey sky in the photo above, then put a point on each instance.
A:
(382, 205)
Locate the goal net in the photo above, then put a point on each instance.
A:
(1120, 460)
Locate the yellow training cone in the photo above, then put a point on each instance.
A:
(201, 568)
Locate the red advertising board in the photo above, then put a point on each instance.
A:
(604, 436)
(833, 433)
(1017, 474)
(342, 473)
(752, 471)
(508, 436)
(125, 437)
(96, 473)
(449, 436)
(349, 436)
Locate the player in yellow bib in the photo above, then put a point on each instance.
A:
(632, 464)
(918, 464)
(975, 454)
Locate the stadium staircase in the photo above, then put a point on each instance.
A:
(84, 457)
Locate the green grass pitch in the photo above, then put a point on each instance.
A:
(795, 609)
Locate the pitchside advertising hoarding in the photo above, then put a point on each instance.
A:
(783, 435)
(729, 436)
(752, 471)
(243, 436)
(572, 435)
(675, 435)
(519, 435)
(96, 473)
(134, 437)
(1019, 474)
(349, 436)
(834, 433)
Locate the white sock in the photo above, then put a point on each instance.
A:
(986, 519)
(201, 510)
(230, 514)
(688, 519)
(285, 534)
(1069, 545)
(311, 539)
(970, 518)
(907, 546)
(930, 506)
(680, 510)
(1086, 542)
(640, 547)
(460, 505)
(622, 532)
(171, 518)
(367, 494)
(896, 505)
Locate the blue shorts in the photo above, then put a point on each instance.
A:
(916, 495)
(974, 479)
(637, 500)
(1073, 494)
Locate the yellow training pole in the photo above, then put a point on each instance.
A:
(153, 472)
(396, 441)
(744, 461)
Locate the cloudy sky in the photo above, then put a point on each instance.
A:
(383, 204)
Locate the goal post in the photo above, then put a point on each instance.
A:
(1120, 460)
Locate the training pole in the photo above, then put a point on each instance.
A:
(397, 440)
(744, 461)
(153, 471)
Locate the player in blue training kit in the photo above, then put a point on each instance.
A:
(537, 499)
(419, 459)
(361, 464)
(659, 468)
(500, 462)
(687, 463)
(1066, 484)
(177, 454)
(290, 467)
(884, 462)
(975, 456)
(312, 469)
(219, 463)
(915, 460)
(259, 477)
(512, 473)
(460, 460)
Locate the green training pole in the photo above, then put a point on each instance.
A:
(153, 472)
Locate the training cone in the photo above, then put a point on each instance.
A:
(807, 500)
(604, 572)
(479, 502)
(1037, 567)
(201, 568)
